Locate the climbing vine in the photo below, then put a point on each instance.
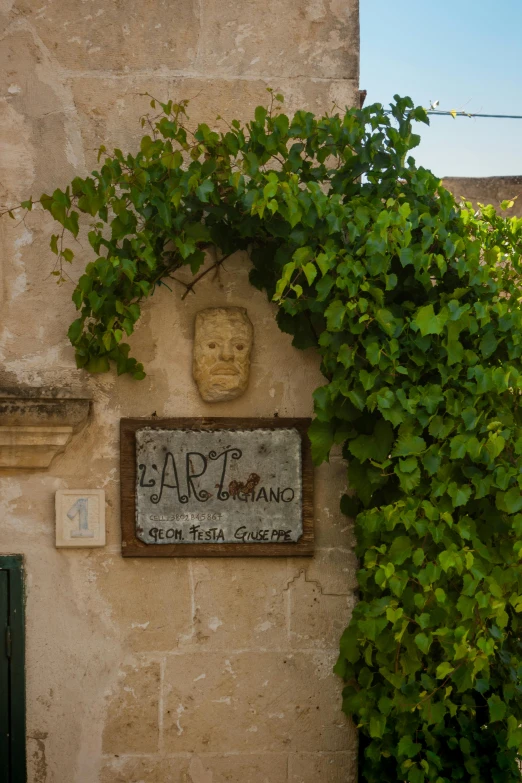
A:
(414, 304)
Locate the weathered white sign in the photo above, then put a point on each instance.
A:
(220, 486)
(80, 517)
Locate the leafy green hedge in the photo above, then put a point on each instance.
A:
(414, 304)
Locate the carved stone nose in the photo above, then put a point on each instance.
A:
(227, 353)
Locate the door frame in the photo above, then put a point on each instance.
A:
(15, 649)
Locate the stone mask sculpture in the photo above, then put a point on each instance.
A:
(222, 346)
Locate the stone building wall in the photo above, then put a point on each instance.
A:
(488, 190)
(163, 670)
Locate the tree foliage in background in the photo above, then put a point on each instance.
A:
(414, 304)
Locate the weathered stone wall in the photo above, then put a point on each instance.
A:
(488, 190)
(202, 671)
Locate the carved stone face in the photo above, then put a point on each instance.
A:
(222, 346)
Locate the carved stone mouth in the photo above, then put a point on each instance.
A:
(224, 369)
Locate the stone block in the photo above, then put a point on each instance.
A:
(487, 190)
(323, 767)
(36, 756)
(250, 768)
(334, 570)
(240, 604)
(149, 600)
(300, 38)
(38, 123)
(317, 620)
(37, 407)
(119, 36)
(132, 722)
(110, 109)
(215, 37)
(332, 528)
(139, 770)
(32, 447)
(257, 702)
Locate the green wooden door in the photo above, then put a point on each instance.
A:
(4, 677)
(12, 672)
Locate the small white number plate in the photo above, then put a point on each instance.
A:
(80, 517)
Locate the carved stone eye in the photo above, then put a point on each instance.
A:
(212, 345)
(239, 347)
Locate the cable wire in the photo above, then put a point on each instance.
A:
(456, 114)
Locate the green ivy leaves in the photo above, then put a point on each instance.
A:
(414, 304)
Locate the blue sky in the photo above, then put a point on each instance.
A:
(466, 55)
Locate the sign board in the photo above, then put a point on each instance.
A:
(211, 487)
(80, 517)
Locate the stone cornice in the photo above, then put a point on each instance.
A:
(36, 425)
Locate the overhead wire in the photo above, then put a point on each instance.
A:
(471, 115)
(455, 114)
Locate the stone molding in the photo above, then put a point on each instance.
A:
(36, 425)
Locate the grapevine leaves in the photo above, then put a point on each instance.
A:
(414, 305)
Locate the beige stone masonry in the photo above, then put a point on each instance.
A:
(204, 37)
(251, 702)
(488, 190)
(163, 670)
(208, 768)
(223, 768)
(132, 723)
(35, 428)
(32, 447)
